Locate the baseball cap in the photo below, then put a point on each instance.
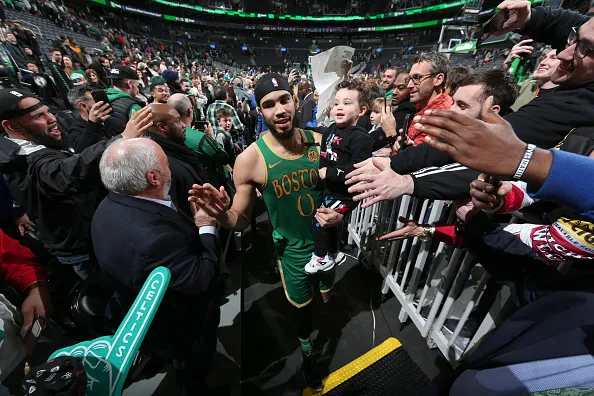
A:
(119, 72)
(156, 80)
(170, 76)
(9, 103)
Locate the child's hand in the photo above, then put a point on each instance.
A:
(322, 172)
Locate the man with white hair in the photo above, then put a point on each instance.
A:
(136, 229)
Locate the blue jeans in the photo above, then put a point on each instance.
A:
(82, 264)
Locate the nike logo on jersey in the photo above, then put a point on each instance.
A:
(270, 166)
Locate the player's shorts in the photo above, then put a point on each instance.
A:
(298, 284)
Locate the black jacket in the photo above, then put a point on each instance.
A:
(545, 121)
(83, 134)
(341, 149)
(41, 85)
(17, 53)
(305, 111)
(402, 110)
(452, 181)
(132, 236)
(59, 191)
(185, 170)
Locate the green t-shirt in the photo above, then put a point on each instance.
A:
(77, 76)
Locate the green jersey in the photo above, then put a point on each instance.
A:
(211, 155)
(292, 192)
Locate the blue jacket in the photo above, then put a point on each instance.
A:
(253, 103)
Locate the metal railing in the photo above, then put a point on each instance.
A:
(445, 293)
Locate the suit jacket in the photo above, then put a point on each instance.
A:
(131, 237)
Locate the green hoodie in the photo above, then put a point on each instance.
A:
(113, 94)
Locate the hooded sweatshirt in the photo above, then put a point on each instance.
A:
(58, 189)
(341, 149)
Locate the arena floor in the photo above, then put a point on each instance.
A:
(262, 339)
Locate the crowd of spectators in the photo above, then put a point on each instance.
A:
(146, 155)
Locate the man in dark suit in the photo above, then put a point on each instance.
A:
(136, 229)
(169, 132)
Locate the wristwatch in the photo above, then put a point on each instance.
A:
(428, 232)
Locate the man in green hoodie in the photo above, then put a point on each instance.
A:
(121, 96)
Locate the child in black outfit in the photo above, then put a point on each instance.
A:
(343, 145)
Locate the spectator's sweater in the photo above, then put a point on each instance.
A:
(442, 102)
(18, 266)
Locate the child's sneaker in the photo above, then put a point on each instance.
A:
(316, 264)
(339, 258)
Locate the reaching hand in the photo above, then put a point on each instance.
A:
(322, 173)
(519, 15)
(23, 223)
(100, 112)
(465, 209)
(490, 146)
(484, 195)
(364, 170)
(518, 51)
(214, 202)
(410, 229)
(37, 302)
(409, 142)
(328, 217)
(209, 131)
(388, 123)
(383, 186)
(139, 123)
(201, 218)
(292, 76)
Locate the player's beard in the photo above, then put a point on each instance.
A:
(283, 135)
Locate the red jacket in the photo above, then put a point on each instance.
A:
(18, 265)
(442, 102)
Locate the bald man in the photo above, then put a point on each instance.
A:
(210, 154)
(136, 228)
(168, 131)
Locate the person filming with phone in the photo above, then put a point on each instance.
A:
(87, 128)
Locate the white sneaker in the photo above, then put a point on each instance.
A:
(317, 264)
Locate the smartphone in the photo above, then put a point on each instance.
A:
(493, 24)
(385, 105)
(495, 181)
(100, 96)
(199, 125)
(404, 133)
(31, 336)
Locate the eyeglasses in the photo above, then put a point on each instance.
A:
(419, 78)
(581, 49)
